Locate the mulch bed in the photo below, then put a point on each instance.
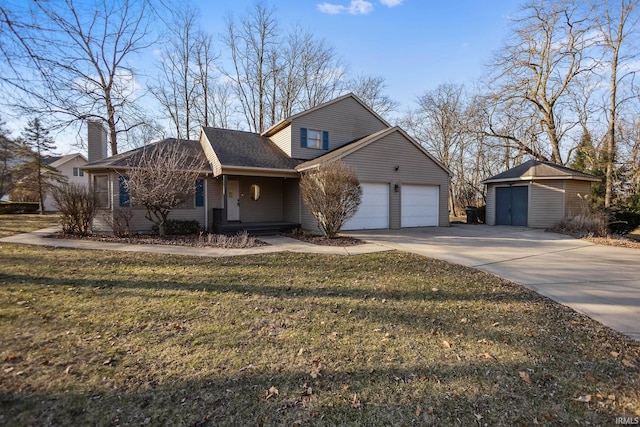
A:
(323, 241)
(191, 240)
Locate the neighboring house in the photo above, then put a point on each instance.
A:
(70, 168)
(253, 180)
(537, 194)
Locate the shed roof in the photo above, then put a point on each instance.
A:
(533, 170)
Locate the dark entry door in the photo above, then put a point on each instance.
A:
(512, 205)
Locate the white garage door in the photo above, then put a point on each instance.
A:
(419, 206)
(374, 209)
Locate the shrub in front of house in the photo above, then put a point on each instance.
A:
(176, 227)
(77, 206)
(19, 207)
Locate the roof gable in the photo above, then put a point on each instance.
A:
(347, 149)
(286, 122)
(539, 170)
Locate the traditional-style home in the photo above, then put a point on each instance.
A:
(537, 194)
(252, 180)
(70, 169)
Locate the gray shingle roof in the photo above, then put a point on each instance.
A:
(131, 158)
(247, 149)
(537, 169)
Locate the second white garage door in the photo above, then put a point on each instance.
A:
(374, 208)
(419, 206)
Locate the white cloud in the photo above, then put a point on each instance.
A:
(356, 7)
(391, 3)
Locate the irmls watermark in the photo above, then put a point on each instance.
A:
(627, 420)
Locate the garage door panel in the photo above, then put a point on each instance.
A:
(373, 211)
(419, 206)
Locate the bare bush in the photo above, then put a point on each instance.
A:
(164, 178)
(594, 224)
(120, 221)
(77, 206)
(333, 194)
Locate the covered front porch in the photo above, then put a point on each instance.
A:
(260, 205)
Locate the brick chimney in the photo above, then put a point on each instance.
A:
(96, 141)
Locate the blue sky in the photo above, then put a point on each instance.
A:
(414, 44)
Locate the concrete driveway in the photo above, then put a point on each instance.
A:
(602, 282)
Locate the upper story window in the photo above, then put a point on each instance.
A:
(78, 172)
(313, 138)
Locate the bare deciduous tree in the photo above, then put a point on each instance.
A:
(370, 89)
(162, 176)
(614, 23)
(333, 194)
(185, 86)
(70, 59)
(252, 41)
(538, 68)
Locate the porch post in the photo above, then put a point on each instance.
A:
(224, 200)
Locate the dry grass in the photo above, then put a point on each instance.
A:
(240, 240)
(105, 338)
(590, 224)
(23, 223)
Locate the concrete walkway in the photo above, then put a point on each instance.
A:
(275, 244)
(602, 282)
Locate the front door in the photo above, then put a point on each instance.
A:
(233, 201)
(512, 205)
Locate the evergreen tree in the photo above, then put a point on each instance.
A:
(585, 155)
(38, 176)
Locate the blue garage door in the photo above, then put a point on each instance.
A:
(512, 205)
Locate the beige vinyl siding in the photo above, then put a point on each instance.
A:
(215, 196)
(376, 162)
(268, 207)
(283, 140)
(66, 170)
(308, 221)
(490, 213)
(577, 197)
(292, 201)
(546, 203)
(345, 120)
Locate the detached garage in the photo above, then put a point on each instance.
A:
(537, 194)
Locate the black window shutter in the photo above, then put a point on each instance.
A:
(124, 193)
(325, 140)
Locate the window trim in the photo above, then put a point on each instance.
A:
(105, 191)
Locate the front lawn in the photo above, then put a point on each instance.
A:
(11, 224)
(106, 338)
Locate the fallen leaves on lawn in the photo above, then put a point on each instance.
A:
(583, 399)
(446, 344)
(273, 391)
(355, 402)
(525, 377)
(628, 364)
